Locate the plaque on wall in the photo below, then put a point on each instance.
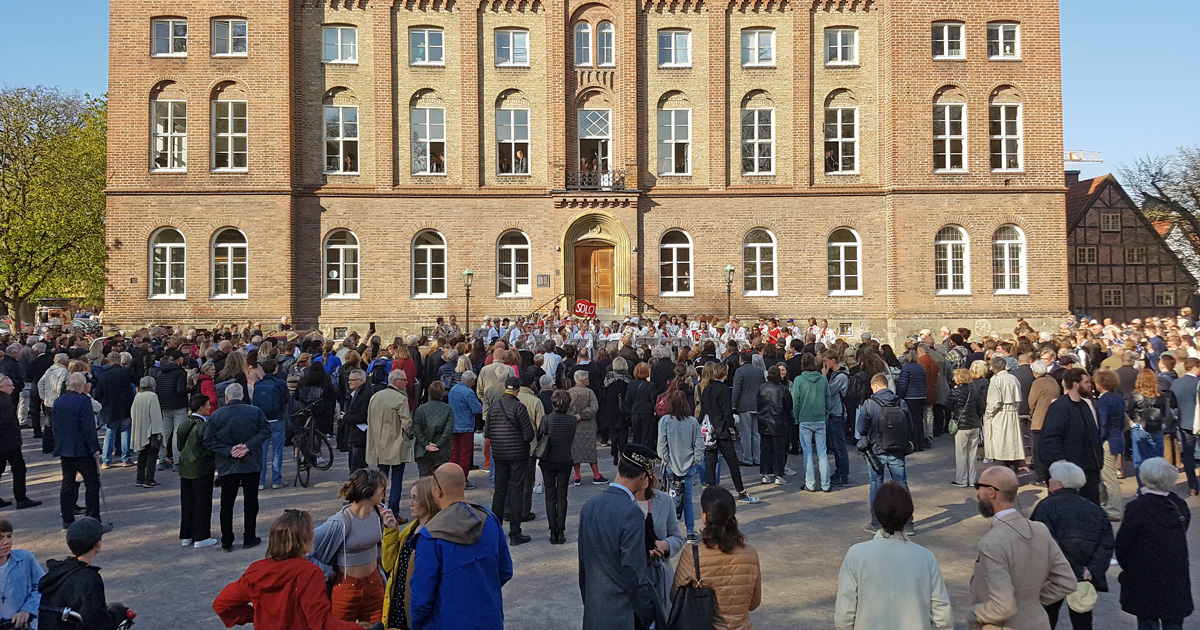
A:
(543, 280)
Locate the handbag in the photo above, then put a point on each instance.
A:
(694, 606)
(543, 445)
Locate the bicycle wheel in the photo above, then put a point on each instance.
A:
(303, 470)
(323, 459)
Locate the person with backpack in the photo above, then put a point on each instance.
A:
(315, 392)
(1148, 411)
(173, 392)
(271, 396)
(885, 423)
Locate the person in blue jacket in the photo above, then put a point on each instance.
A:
(19, 596)
(466, 406)
(461, 562)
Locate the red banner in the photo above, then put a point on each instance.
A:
(584, 308)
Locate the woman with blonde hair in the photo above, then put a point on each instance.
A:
(399, 553)
(966, 402)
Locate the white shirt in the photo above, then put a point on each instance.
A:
(996, 518)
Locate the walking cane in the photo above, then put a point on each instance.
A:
(103, 500)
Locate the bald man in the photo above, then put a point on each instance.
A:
(1020, 568)
(456, 585)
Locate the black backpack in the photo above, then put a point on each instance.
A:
(857, 392)
(890, 431)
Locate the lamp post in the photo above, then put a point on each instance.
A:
(468, 276)
(729, 291)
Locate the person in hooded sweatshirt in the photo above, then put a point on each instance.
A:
(74, 582)
(461, 562)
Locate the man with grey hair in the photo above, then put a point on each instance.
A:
(1002, 424)
(354, 417)
(114, 391)
(236, 433)
(390, 436)
(50, 386)
(465, 404)
(77, 447)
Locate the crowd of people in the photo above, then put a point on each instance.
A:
(669, 400)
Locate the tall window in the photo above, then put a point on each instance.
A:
(170, 38)
(758, 47)
(949, 138)
(341, 139)
(595, 132)
(1004, 41)
(674, 49)
(170, 136)
(341, 44)
(341, 264)
(841, 140)
(1008, 260)
(758, 155)
(229, 264)
(229, 136)
(426, 47)
(948, 41)
(674, 141)
(841, 46)
(428, 141)
(512, 47)
(512, 265)
(675, 264)
(583, 44)
(1005, 131)
(429, 265)
(758, 263)
(950, 261)
(512, 136)
(167, 258)
(843, 248)
(229, 38)
(605, 44)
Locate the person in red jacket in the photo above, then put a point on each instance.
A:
(284, 591)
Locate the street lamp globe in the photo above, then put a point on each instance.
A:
(468, 276)
(729, 274)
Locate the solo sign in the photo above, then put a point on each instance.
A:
(584, 308)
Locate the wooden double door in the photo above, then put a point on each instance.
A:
(594, 274)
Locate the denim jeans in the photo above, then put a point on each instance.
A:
(808, 432)
(702, 469)
(278, 434)
(396, 485)
(110, 436)
(1187, 452)
(689, 513)
(895, 467)
(835, 435)
(1145, 445)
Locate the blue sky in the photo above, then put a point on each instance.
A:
(1131, 72)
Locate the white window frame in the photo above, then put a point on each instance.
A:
(1004, 137)
(1007, 258)
(1085, 255)
(229, 137)
(341, 139)
(1164, 297)
(230, 39)
(1112, 297)
(509, 43)
(1107, 220)
(428, 265)
(583, 44)
(757, 261)
(757, 143)
(752, 48)
(944, 251)
(841, 259)
(999, 30)
(840, 45)
(342, 46)
(173, 254)
(674, 260)
(172, 38)
(230, 277)
(671, 142)
(514, 138)
(943, 31)
(606, 45)
(943, 143)
(841, 139)
(428, 140)
(426, 32)
(340, 266)
(520, 284)
(1135, 259)
(175, 142)
(674, 49)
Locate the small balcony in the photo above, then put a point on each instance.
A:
(596, 180)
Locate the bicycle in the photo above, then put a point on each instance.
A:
(311, 447)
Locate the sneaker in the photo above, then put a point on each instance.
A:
(250, 544)
(908, 529)
(471, 486)
(599, 480)
(576, 482)
(162, 465)
(27, 503)
(276, 486)
(140, 484)
(185, 542)
(151, 484)
(841, 481)
(958, 485)
(106, 527)
(691, 539)
(767, 479)
(207, 542)
(828, 489)
(537, 489)
(106, 466)
(745, 498)
(779, 481)
(870, 529)
(789, 472)
(261, 487)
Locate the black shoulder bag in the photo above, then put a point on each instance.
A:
(694, 606)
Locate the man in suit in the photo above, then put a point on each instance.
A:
(614, 575)
(355, 418)
(1070, 432)
(1187, 392)
(1020, 567)
(746, 382)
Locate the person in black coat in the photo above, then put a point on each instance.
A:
(716, 405)
(354, 416)
(639, 404)
(1070, 432)
(664, 370)
(613, 416)
(38, 369)
(558, 431)
(774, 416)
(10, 445)
(114, 390)
(316, 392)
(1152, 550)
(1081, 529)
(510, 430)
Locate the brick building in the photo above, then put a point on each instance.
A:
(886, 165)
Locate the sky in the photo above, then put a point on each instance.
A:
(1131, 71)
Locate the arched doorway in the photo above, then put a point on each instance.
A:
(596, 262)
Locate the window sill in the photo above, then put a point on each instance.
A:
(1005, 171)
(584, 65)
(169, 56)
(845, 294)
(338, 62)
(688, 174)
(521, 66)
(760, 294)
(243, 296)
(947, 58)
(841, 64)
(607, 65)
(347, 296)
(675, 67)
(230, 171)
(167, 297)
(1004, 59)
(513, 296)
(1012, 292)
(838, 173)
(950, 171)
(350, 173)
(428, 174)
(420, 64)
(230, 55)
(429, 296)
(941, 293)
(514, 175)
(764, 66)
(760, 174)
(167, 171)
(686, 294)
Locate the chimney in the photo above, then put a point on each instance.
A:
(1072, 178)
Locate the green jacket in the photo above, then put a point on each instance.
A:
(433, 422)
(195, 461)
(810, 397)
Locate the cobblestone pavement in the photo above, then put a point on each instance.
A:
(801, 538)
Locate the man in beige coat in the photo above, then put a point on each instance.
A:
(390, 436)
(1020, 568)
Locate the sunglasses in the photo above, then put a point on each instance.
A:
(985, 485)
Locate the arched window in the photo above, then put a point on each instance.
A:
(605, 44)
(583, 44)
(1008, 260)
(429, 265)
(341, 264)
(950, 256)
(512, 265)
(758, 263)
(844, 268)
(229, 267)
(675, 264)
(167, 263)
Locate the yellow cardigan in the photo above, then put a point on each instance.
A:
(393, 542)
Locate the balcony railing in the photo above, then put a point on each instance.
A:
(596, 180)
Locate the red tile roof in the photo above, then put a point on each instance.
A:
(1080, 197)
(1163, 227)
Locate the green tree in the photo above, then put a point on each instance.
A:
(52, 179)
